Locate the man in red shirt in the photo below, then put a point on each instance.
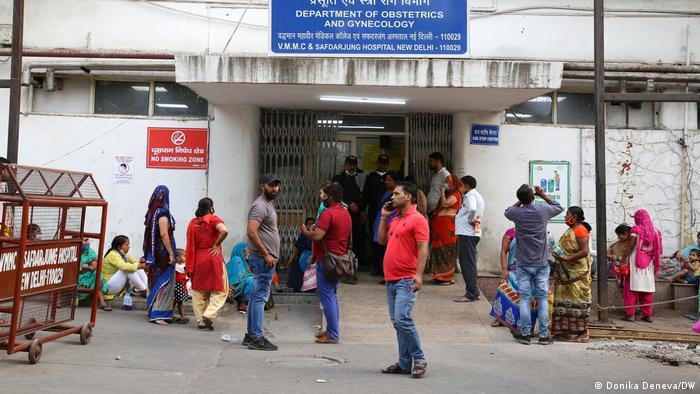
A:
(330, 234)
(406, 240)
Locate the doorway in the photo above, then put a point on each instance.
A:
(368, 136)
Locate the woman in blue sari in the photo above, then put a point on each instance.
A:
(159, 249)
(239, 276)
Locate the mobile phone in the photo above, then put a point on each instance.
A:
(389, 206)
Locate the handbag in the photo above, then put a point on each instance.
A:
(339, 267)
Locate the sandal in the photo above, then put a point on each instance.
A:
(419, 369)
(106, 308)
(395, 369)
(628, 318)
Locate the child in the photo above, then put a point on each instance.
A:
(690, 269)
(180, 287)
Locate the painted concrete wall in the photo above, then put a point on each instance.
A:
(90, 144)
(543, 34)
(644, 170)
(500, 170)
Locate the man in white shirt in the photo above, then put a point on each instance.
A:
(468, 229)
(436, 163)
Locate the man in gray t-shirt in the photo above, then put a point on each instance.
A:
(436, 163)
(532, 269)
(264, 241)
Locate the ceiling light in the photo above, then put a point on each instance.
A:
(362, 127)
(364, 100)
(172, 105)
(141, 88)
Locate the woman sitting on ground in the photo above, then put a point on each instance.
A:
(572, 281)
(118, 266)
(240, 277)
(88, 274)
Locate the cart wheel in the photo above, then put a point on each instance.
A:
(29, 336)
(85, 334)
(34, 351)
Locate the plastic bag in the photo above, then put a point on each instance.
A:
(309, 278)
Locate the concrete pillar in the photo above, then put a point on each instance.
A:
(461, 133)
(233, 166)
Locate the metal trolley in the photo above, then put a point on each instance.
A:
(44, 213)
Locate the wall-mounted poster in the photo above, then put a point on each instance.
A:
(555, 178)
(123, 169)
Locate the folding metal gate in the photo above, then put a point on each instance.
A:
(428, 133)
(300, 147)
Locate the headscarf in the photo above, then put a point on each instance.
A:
(649, 245)
(158, 205)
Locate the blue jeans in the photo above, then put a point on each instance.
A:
(328, 295)
(401, 298)
(262, 279)
(533, 280)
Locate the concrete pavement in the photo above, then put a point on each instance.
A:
(464, 354)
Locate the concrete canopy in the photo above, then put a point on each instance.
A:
(427, 85)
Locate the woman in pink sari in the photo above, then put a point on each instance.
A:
(643, 257)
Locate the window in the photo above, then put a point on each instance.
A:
(177, 100)
(537, 110)
(575, 108)
(121, 98)
(557, 108)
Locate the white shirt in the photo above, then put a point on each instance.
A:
(438, 181)
(472, 209)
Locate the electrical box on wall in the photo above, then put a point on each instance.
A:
(5, 35)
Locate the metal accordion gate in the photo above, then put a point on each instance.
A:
(300, 147)
(428, 133)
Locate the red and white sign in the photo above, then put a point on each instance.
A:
(177, 148)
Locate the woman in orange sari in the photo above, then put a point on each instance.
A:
(443, 240)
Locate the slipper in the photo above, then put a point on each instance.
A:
(106, 308)
(395, 369)
(441, 283)
(182, 320)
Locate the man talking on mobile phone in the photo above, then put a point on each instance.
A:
(406, 239)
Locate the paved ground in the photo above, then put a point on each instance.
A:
(465, 355)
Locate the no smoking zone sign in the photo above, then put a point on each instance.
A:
(177, 148)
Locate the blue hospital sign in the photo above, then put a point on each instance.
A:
(484, 134)
(415, 28)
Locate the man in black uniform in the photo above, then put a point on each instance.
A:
(372, 192)
(352, 196)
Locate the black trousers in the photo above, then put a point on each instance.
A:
(467, 262)
(359, 240)
(378, 259)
